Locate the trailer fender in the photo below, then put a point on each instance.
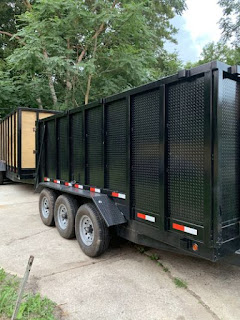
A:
(105, 205)
(109, 211)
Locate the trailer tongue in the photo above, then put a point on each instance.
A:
(163, 159)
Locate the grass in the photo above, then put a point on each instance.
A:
(165, 269)
(180, 283)
(154, 256)
(141, 249)
(33, 307)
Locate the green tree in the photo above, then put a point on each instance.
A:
(8, 24)
(12, 91)
(230, 21)
(217, 51)
(76, 51)
(227, 49)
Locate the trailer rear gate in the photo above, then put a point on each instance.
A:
(172, 147)
(17, 142)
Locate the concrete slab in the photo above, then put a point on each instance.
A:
(122, 284)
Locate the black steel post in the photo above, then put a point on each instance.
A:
(19, 138)
(162, 163)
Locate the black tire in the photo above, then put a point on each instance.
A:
(49, 196)
(1, 177)
(65, 226)
(100, 240)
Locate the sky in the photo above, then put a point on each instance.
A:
(197, 27)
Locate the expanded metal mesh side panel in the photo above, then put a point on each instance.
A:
(51, 158)
(116, 141)
(94, 126)
(229, 151)
(186, 150)
(77, 147)
(63, 152)
(145, 113)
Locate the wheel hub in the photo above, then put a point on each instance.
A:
(45, 207)
(62, 216)
(86, 230)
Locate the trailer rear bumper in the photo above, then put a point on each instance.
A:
(145, 235)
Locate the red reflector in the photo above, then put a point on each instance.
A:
(92, 189)
(55, 181)
(115, 194)
(76, 186)
(68, 184)
(178, 227)
(141, 216)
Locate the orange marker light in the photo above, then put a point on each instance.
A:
(195, 247)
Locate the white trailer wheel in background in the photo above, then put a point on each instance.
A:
(47, 200)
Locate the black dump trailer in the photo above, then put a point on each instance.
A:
(159, 164)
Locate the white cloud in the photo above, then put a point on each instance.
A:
(201, 22)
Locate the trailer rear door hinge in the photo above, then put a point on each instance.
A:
(35, 152)
(212, 157)
(34, 129)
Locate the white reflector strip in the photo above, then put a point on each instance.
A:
(46, 179)
(97, 190)
(146, 217)
(79, 186)
(121, 196)
(57, 181)
(182, 228)
(190, 230)
(150, 218)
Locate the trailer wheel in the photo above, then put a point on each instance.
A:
(91, 231)
(47, 200)
(64, 215)
(1, 177)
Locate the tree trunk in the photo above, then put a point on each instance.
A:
(69, 85)
(97, 33)
(27, 4)
(52, 89)
(39, 102)
(90, 75)
(50, 82)
(88, 89)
